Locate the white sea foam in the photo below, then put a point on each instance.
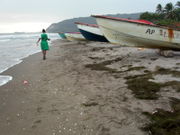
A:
(15, 47)
(5, 79)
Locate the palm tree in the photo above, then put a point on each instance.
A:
(169, 11)
(178, 4)
(169, 7)
(159, 9)
(177, 11)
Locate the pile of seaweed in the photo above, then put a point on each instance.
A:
(164, 122)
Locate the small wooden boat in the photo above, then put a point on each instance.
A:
(62, 35)
(91, 32)
(74, 36)
(138, 33)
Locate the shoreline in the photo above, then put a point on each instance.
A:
(10, 77)
(18, 62)
(82, 89)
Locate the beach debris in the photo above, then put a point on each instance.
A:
(166, 53)
(7, 118)
(25, 82)
(24, 129)
(90, 103)
(22, 102)
(67, 120)
(153, 59)
(154, 112)
(164, 122)
(140, 49)
(81, 113)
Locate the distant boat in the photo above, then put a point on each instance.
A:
(138, 33)
(91, 32)
(62, 35)
(74, 36)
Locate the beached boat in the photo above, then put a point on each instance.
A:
(91, 32)
(62, 35)
(74, 36)
(139, 33)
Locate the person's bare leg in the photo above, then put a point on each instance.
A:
(44, 54)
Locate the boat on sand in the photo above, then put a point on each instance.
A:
(91, 32)
(138, 33)
(74, 36)
(62, 35)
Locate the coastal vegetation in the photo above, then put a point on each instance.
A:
(168, 15)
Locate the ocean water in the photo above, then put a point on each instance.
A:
(15, 47)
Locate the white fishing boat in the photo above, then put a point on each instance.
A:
(74, 36)
(138, 33)
(91, 32)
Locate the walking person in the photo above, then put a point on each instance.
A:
(44, 43)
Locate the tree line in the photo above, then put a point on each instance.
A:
(168, 15)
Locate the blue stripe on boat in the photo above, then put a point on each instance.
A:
(92, 36)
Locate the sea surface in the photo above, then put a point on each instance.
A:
(15, 47)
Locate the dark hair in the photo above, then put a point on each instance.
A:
(44, 31)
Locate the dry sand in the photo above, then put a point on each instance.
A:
(64, 97)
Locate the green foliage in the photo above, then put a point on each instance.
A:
(177, 12)
(169, 7)
(159, 9)
(151, 16)
(178, 4)
(166, 22)
(169, 15)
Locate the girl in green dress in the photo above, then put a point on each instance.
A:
(44, 43)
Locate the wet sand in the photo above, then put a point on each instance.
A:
(63, 96)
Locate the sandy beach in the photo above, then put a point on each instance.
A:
(85, 89)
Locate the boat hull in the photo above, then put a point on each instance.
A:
(62, 35)
(91, 32)
(139, 35)
(74, 37)
(92, 36)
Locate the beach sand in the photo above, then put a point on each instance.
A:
(66, 95)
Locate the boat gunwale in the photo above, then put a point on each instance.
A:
(121, 19)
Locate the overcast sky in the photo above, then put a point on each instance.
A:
(33, 15)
